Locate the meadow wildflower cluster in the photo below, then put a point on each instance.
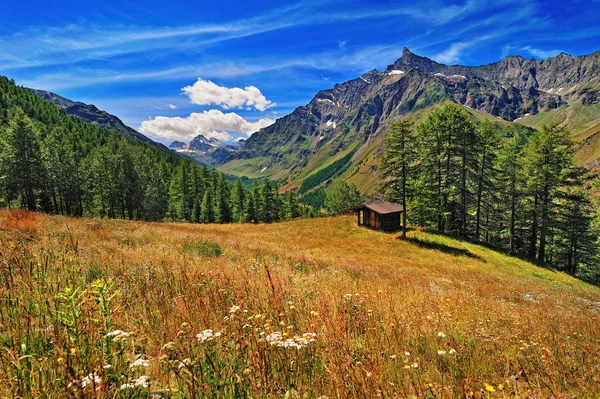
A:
(116, 309)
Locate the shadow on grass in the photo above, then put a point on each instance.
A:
(441, 247)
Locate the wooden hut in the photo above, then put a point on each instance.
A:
(381, 216)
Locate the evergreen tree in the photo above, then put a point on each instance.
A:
(238, 201)
(397, 165)
(22, 162)
(548, 155)
(342, 198)
(207, 214)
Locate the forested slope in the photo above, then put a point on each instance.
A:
(56, 163)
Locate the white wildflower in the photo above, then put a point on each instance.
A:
(118, 335)
(208, 335)
(441, 334)
(107, 366)
(141, 362)
(142, 382)
(234, 309)
(298, 342)
(452, 351)
(441, 352)
(184, 363)
(90, 379)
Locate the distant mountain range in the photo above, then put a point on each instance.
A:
(210, 152)
(345, 126)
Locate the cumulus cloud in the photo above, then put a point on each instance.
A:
(172, 106)
(205, 92)
(212, 123)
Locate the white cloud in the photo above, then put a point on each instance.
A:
(205, 92)
(212, 123)
(452, 54)
(539, 53)
(172, 106)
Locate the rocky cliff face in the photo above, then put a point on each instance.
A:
(90, 114)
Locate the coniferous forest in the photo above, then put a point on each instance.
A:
(55, 163)
(521, 193)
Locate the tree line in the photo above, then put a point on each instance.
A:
(53, 162)
(516, 192)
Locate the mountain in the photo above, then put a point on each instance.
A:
(208, 151)
(343, 127)
(91, 114)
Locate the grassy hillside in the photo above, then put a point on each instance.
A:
(583, 121)
(111, 308)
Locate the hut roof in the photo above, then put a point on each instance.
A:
(382, 207)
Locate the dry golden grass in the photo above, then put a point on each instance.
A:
(432, 317)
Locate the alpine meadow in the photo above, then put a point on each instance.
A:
(292, 204)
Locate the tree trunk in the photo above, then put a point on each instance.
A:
(513, 195)
(403, 199)
(532, 244)
(479, 194)
(543, 230)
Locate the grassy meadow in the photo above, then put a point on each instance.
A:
(312, 308)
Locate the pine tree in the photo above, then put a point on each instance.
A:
(238, 201)
(342, 198)
(292, 210)
(207, 214)
(548, 155)
(25, 174)
(397, 165)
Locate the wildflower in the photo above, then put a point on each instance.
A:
(107, 366)
(414, 365)
(184, 363)
(313, 313)
(208, 335)
(73, 350)
(393, 357)
(500, 387)
(407, 354)
(169, 347)
(234, 309)
(140, 362)
(489, 388)
(277, 339)
(118, 335)
(142, 382)
(441, 334)
(89, 379)
(60, 359)
(452, 351)
(441, 352)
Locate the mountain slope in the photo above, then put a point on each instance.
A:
(91, 114)
(353, 116)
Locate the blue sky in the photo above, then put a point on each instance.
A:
(245, 63)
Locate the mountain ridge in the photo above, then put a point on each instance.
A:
(358, 111)
(91, 114)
